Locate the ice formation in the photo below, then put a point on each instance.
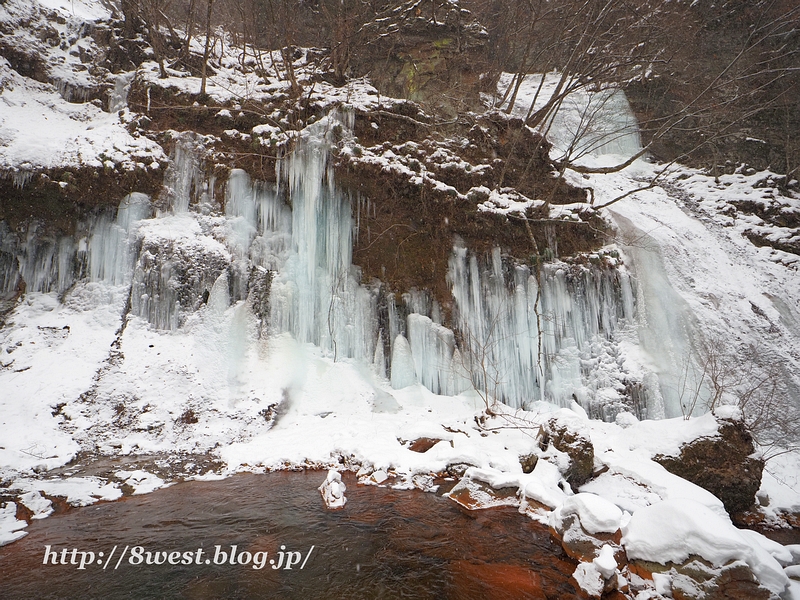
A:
(517, 335)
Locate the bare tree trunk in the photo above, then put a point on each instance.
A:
(206, 49)
(130, 10)
(189, 29)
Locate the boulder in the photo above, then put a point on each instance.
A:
(723, 465)
(567, 438)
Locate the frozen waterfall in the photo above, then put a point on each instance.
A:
(316, 294)
(282, 254)
(587, 122)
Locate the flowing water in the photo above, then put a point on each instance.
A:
(384, 544)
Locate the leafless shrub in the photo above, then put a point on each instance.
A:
(752, 379)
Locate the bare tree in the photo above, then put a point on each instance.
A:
(745, 377)
(206, 47)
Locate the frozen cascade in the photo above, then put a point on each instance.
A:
(665, 325)
(35, 261)
(113, 245)
(605, 124)
(519, 341)
(528, 341)
(184, 182)
(103, 249)
(587, 122)
(287, 250)
(118, 100)
(317, 296)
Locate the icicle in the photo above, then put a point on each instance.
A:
(523, 343)
(112, 246)
(43, 263)
(118, 100)
(379, 358)
(316, 295)
(403, 371)
(432, 350)
(183, 180)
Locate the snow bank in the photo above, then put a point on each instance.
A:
(78, 491)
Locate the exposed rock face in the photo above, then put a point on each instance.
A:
(574, 444)
(722, 465)
(426, 57)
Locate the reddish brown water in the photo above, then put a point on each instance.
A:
(384, 544)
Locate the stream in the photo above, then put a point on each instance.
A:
(384, 544)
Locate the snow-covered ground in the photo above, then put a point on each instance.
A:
(76, 373)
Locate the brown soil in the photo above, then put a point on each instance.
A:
(59, 197)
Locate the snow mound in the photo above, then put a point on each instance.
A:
(674, 530)
(596, 514)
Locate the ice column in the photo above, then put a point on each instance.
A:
(113, 245)
(524, 337)
(183, 180)
(316, 296)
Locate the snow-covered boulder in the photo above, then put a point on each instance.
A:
(567, 434)
(596, 514)
(585, 523)
(722, 464)
(332, 490)
(679, 531)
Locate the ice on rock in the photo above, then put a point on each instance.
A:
(118, 100)
(432, 348)
(113, 244)
(332, 490)
(43, 262)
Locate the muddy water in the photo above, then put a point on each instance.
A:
(384, 544)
